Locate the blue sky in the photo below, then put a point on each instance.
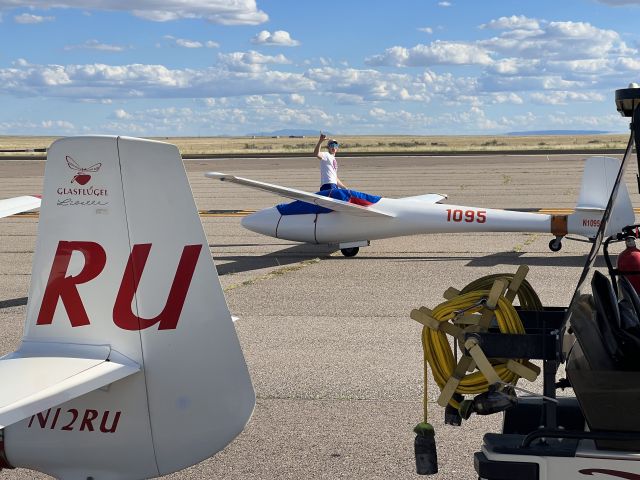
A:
(233, 67)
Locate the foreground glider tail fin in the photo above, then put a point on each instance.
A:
(122, 263)
(597, 182)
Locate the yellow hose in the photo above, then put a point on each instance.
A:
(527, 296)
(437, 349)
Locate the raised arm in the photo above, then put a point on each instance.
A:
(316, 151)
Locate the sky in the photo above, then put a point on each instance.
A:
(360, 67)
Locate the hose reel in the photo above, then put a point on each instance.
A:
(483, 304)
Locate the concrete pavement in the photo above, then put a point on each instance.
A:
(334, 357)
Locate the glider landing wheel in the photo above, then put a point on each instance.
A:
(555, 245)
(350, 252)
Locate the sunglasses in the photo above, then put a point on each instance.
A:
(333, 145)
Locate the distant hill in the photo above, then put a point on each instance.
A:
(557, 132)
(289, 131)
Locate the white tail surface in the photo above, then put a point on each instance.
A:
(597, 182)
(11, 206)
(122, 260)
(428, 198)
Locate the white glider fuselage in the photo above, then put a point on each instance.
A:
(412, 217)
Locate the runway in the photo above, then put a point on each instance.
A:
(335, 360)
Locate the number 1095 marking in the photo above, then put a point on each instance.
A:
(468, 216)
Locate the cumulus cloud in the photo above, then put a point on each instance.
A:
(99, 81)
(366, 84)
(428, 30)
(515, 66)
(525, 47)
(436, 53)
(531, 63)
(121, 114)
(565, 119)
(553, 59)
(238, 117)
(506, 97)
(183, 42)
(224, 12)
(355, 85)
(512, 22)
(251, 61)
(186, 43)
(401, 121)
(278, 38)
(58, 125)
(560, 41)
(491, 84)
(296, 99)
(96, 45)
(239, 74)
(562, 97)
(30, 19)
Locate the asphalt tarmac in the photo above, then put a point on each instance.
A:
(334, 357)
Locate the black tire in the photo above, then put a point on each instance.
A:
(350, 252)
(555, 245)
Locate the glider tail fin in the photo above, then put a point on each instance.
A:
(123, 274)
(597, 182)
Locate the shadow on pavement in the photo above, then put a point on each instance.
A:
(287, 256)
(14, 302)
(516, 258)
(492, 260)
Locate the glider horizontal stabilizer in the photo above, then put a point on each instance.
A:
(11, 206)
(46, 374)
(428, 198)
(326, 202)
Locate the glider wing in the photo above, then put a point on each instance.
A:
(326, 202)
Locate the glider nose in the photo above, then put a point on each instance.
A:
(263, 221)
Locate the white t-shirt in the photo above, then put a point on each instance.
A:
(328, 168)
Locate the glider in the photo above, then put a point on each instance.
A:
(351, 219)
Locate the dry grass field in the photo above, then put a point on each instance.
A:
(30, 146)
